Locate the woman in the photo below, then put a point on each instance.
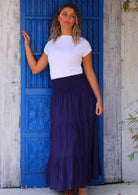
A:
(73, 161)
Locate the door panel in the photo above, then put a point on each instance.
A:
(36, 19)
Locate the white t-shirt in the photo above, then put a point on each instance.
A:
(64, 57)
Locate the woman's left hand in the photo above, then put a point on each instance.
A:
(99, 108)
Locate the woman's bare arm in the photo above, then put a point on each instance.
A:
(36, 66)
(89, 71)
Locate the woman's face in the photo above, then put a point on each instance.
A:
(67, 18)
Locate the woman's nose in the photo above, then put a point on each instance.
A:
(67, 17)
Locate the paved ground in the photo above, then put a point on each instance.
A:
(107, 189)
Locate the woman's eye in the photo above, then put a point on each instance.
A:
(72, 16)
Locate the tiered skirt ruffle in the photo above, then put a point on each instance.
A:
(74, 156)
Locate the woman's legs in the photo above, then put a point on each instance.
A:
(83, 191)
(72, 191)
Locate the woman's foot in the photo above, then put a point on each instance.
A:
(83, 191)
(72, 191)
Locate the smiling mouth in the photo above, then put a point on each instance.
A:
(67, 22)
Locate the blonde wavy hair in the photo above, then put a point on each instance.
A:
(55, 30)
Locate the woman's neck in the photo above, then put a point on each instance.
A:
(63, 32)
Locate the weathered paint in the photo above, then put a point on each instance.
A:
(36, 89)
(129, 90)
(10, 93)
(112, 91)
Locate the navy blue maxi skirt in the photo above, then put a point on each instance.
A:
(74, 157)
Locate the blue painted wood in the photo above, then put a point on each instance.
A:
(100, 80)
(36, 19)
(50, 18)
(22, 163)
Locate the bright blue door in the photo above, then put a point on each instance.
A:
(36, 19)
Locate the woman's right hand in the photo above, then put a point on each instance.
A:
(26, 37)
(36, 66)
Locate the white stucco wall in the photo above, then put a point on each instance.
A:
(9, 93)
(129, 91)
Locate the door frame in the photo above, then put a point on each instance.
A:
(100, 118)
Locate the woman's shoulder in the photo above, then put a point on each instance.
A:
(83, 40)
(85, 46)
(50, 41)
(48, 45)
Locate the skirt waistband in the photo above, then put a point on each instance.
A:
(69, 83)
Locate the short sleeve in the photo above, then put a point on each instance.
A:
(46, 49)
(86, 48)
